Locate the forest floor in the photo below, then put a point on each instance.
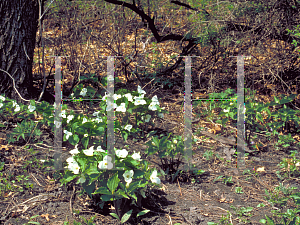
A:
(188, 200)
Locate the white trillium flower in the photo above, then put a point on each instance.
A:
(152, 106)
(68, 134)
(98, 120)
(107, 158)
(106, 163)
(128, 177)
(63, 114)
(1, 105)
(85, 135)
(128, 127)
(225, 110)
(111, 106)
(14, 103)
(70, 160)
(139, 101)
(69, 118)
(140, 90)
(89, 152)
(17, 109)
(136, 156)
(82, 179)
(121, 108)
(83, 92)
(160, 115)
(148, 117)
(116, 96)
(129, 97)
(96, 113)
(31, 108)
(74, 151)
(74, 167)
(84, 120)
(110, 78)
(154, 178)
(105, 97)
(155, 100)
(122, 153)
(99, 149)
(2, 98)
(57, 124)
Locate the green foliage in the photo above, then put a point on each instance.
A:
(253, 8)
(276, 199)
(32, 222)
(242, 212)
(290, 166)
(273, 117)
(167, 150)
(26, 130)
(226, 179)
(295, 33)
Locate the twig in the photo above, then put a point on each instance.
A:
(179, 187)
(38, 183)
(23, 204)
(71, 201)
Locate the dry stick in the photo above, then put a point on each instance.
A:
(282, 82)
(179, 187)
(71, 201)
(23, 203)
(15, 86)
(38, 183)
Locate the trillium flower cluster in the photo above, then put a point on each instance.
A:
(17, 109)
(106, 163)
(81, 129)
(121, 107)
(137, 100)
(94, 160)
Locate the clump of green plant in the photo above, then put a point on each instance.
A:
(91, 165)
(279, 198)
(167, 151)
(243, 212)
(209, 155)
(249, 173)
(11, 183)
(31, 220)
(226, 179)
(86, 222)
(290, 166)
(274, 117)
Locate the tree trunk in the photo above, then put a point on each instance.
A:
(18, 27)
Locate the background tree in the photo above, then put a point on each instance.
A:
(18, 28)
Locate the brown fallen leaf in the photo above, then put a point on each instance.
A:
(46, 216)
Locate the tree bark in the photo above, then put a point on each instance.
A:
(18, 27)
